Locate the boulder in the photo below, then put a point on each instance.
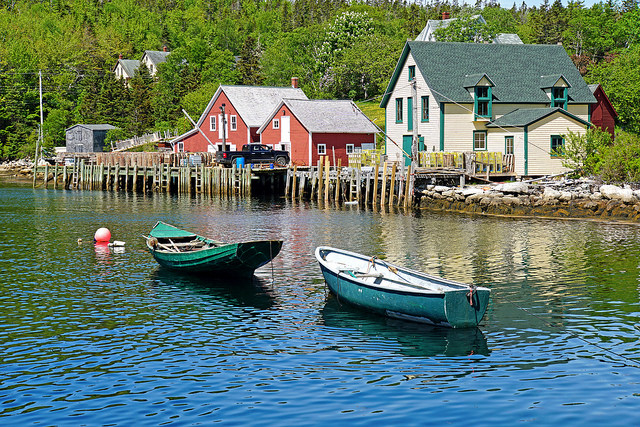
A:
(513, 187)
(550, 193)
(613, 192)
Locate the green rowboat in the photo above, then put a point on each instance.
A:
(188, 252)
(399, 292)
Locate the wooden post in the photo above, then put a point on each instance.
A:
(367, 188)
(320, 181)
(375, 184)
(327, 166)
(383, 192)
(359, 185)
(392, 184)
(337, 198)
(55, 176)
(408, 197)
(293, 182)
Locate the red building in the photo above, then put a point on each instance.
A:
(602, 114)
(309, 129)
(245, 110)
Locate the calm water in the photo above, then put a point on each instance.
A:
(106, 337)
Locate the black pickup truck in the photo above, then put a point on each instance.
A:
(253, 153)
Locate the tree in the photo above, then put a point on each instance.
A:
(467, 29)
(248, 65)
(140, 117)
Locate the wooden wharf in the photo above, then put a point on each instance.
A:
(381, 183)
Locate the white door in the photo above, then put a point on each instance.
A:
(285, 129)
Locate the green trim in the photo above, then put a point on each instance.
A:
(486, 143)
(513, 144)
(386, 137)
(526, 150)
(589, 108)
(559, 101)
(410, 113)
(424, 105)
(555, 150)
(477, 99)
(412, 72)
(442, 126)
(399, 112)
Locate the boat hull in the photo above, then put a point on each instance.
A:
(456, 308)
(241, 258)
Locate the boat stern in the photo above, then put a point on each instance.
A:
(465, 308)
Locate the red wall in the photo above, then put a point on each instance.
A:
(238, 137)
(300, 141)
(337, 142)
(602, 114)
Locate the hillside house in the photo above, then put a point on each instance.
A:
(245, 109)
(126, 68)
(510, 98)
(427, 33)
(602, 114)
(309, 129)
(83, 138)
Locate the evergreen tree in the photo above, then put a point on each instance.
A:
(140, 118)
(249, 68)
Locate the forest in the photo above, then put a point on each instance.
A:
(338, 49)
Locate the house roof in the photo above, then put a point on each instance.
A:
(435, 24)
(594, 88)
(254, 103)
(515, 70)
(507, 38)
(326, 116)
(93, 127)
(128, 65)
(526, 116)
(156, 56)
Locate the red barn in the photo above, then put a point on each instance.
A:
(309, 129)
(245, 110)
(602, 114)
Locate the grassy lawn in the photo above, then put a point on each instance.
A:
(376, 114)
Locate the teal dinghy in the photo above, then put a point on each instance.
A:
(399, 292)
(188, 252)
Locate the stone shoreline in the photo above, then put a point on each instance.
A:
(581, 199)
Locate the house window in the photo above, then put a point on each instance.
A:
(350, 149)
(557, 146)
(398, 110)
(479, 140)
(425, 109)
(508, 145)
(412, 72)
(276, 123)
(322, 149)
(483, 101)
(181, 147)
(212, 123)
(559, 97)
(234, 122)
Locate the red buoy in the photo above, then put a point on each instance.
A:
(103, 235)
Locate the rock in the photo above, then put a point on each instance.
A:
(613, 192)
(513, 187)
(565, 196)
(550, 193)
(441, 188)
(469, 191)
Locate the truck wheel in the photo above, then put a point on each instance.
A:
(281, 161)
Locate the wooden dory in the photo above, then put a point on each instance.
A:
(399, 292)
(182, 250)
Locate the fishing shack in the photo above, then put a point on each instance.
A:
(82, 138)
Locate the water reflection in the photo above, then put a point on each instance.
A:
(415, 340)
(248, 292)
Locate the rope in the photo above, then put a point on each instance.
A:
(632, 363)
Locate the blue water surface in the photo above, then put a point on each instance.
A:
(104, 336)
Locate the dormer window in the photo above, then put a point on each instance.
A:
(482, 107)
(559, 97)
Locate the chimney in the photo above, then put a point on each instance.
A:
(120, 56)
(445, 15)
(294, 82)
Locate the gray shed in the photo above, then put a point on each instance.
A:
(86, 138)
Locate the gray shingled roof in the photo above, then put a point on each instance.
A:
(255, 103)
(435, 24)
(507, 38)
(156, 56)
(329, 116)
(515, 69)
(93, 127)
(526, 116)
(129, 65)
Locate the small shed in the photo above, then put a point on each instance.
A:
(83, 138)
(602, 114)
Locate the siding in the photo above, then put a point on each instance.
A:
(540, 160)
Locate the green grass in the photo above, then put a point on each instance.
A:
(372, 110)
